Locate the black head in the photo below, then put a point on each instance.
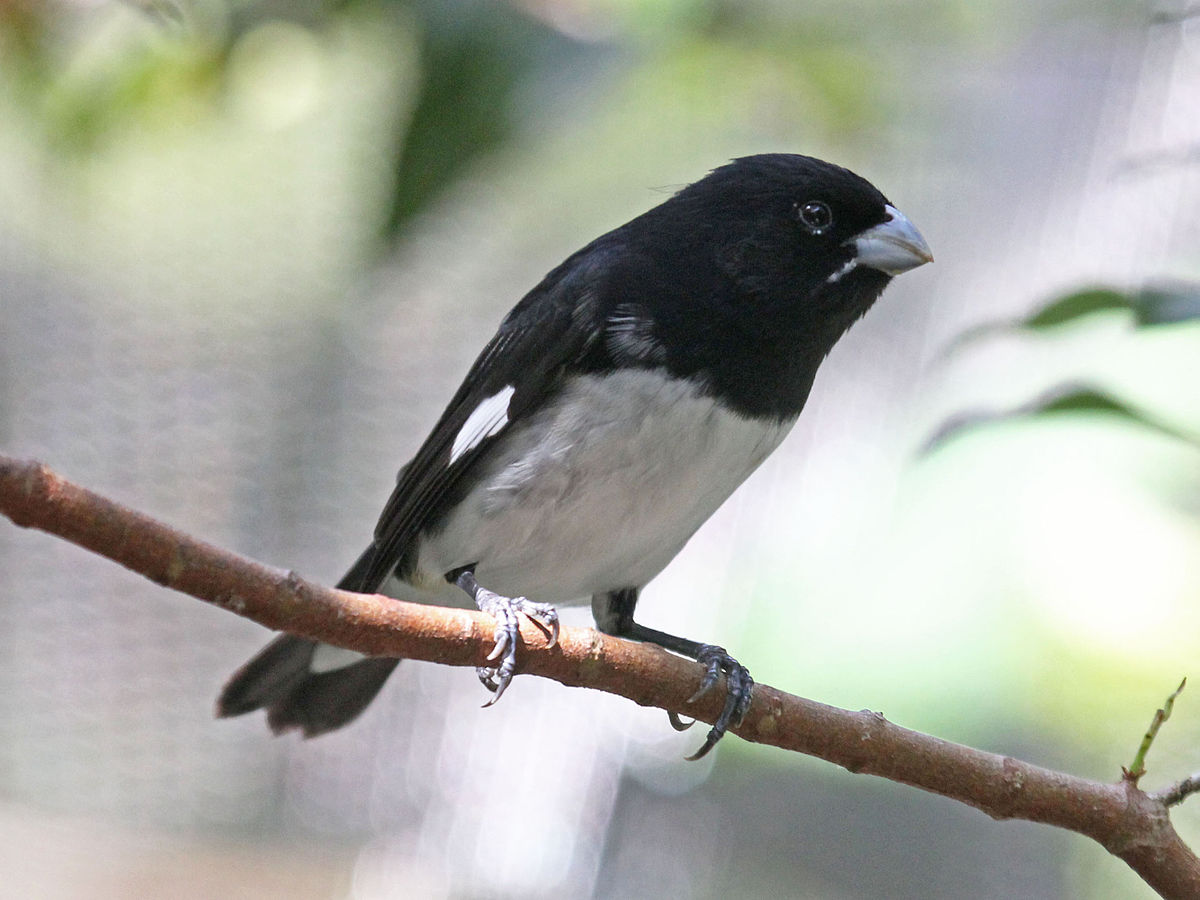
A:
(770, 258)
(787, 224)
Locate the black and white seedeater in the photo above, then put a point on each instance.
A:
(619, 404)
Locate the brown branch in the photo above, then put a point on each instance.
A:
(1129, 823)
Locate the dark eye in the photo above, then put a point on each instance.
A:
(815, 215)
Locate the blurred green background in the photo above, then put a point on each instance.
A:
(248, 249)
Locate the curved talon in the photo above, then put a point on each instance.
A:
(501, 686)
(739, 692)
(716, 660)
(554, 628)
(709, 743)
(544, 616)
(501, 676)
(503, 641)
(498, 679)
(677, 723)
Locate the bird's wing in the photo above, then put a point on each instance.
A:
(548, 335)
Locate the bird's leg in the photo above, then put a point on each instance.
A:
(614, 615)
(506, 611)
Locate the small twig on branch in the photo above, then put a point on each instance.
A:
(1178, 792)
(1138, 767)
(1129, 823)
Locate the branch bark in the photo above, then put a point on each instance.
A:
(1129, 823)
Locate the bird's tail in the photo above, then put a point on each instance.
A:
(307, 685)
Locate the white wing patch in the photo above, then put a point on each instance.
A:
(489, 417)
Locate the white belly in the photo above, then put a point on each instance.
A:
(625, 467)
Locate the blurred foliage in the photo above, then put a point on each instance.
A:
(87, 76)
(1151, 306)
(476, 59)
(489, 71)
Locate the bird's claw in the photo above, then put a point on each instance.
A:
(677, 723)
(739, 691)
(507, 612)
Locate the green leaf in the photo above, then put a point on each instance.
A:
(1076, 306)
(1161, 304)
(1155, 304)
(1065, 399)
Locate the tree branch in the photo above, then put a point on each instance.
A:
(1129, 823)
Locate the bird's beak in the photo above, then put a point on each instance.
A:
(893, 247)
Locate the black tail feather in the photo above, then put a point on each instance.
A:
(328, 700)
(275, 672)
(280, 680)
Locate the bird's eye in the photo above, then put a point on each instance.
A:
(815, 215)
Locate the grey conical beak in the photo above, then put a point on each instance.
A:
(892, 247)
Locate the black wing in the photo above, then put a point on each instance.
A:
(553, 331)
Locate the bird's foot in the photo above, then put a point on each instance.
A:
(739, 691)
(507, 612)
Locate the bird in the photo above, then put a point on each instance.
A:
(619, 404)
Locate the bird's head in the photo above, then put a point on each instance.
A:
(789, 226)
